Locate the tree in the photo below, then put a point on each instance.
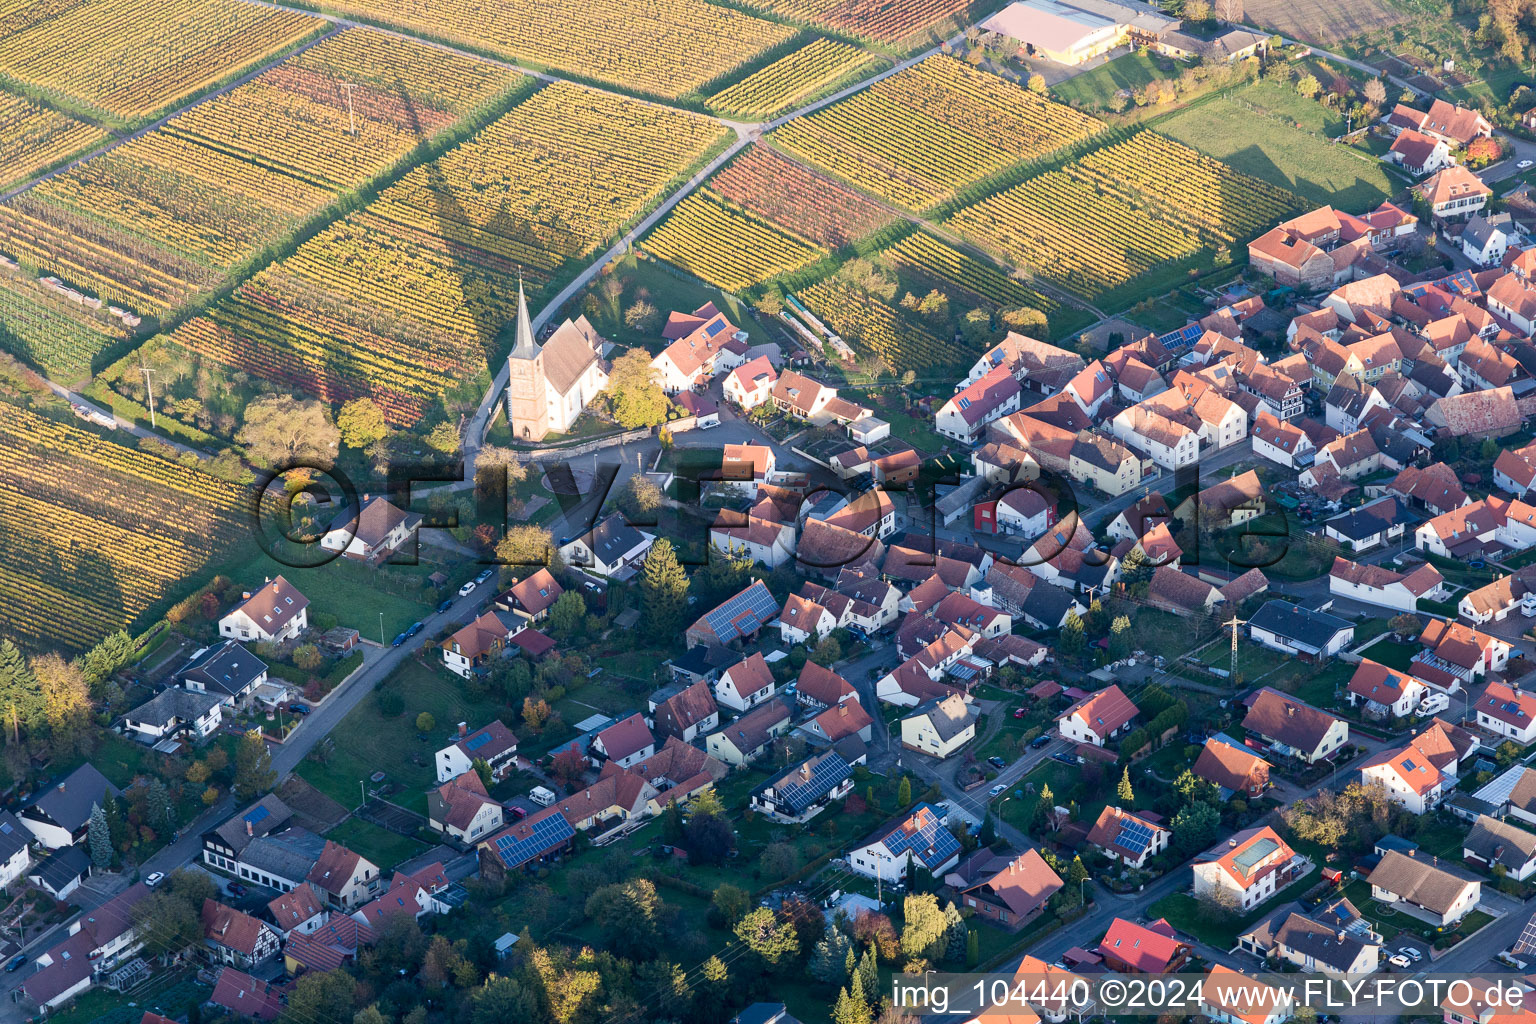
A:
(398, 945)
(321, 995)
(536, 712)
(956, 933)
(627, 913)
(1193, 789)
(730, 902)
(925, 928)
(1197, 11)
(779, 860)
(1125, 794)
(829, 963)
(169, 919)
(1036, 83)
(709, 839)
(664, 590)
(159, 807)
(1072, 640)
(1405, 625)
(973, 949)
(988, 835)
(443, 438)
(1307, 85)
(1375, 92)
(1026, 318)
(254, 774)
(99, 838)
(568, 613)
(528, 545)
(1196, 827)
(66, 696)
(827, 652)
(672, 823)
(773, 940)
(852, 1007)
(640, 500)
(640, 316)
(425, 722)
(307, 657)
(361, 422)
(20, 693)
(282, 431)
(633, 392)
(567, 766)
(482, 768)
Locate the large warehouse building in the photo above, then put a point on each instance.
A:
(1073, 31)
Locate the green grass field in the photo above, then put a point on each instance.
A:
(366, 741)
(1097, 87)
(1261, 140)
(380, 845)
(355, 593)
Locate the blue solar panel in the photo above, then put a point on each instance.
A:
(744, 613)
(477, 741)
(924, 836)
(715, 328)
(1134, 835)
(825, 776)
(257, 814)
(1182, 338)
(546, 834)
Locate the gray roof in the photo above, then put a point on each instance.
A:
(226, 668)
(61, 868)
(171, 703)
(267, 815)
(14, 836)
(949, 715)
(68, 803)
(1417, 880)
(290, 855)
(1480, 229)
(1371, 519)
(811, 781)
(1300, 626)
(1496, 842)
(612, 539)
(1336, 949)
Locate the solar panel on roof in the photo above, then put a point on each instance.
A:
(478, 741)
(257, 814)
(715, 328)
(744, 613)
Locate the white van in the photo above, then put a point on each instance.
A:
(541, 796)
(1433, 705)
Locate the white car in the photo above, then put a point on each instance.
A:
(1523, 164)
(1399, 961)
(995, 790)
(468, 588)
(1411, 953)
(153, 879)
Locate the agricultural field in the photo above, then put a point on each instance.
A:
(965, 279)
(789, 80)
(1255, 132)
(97, 533)
(153, 223)
(667, 48)
(797, 199)
(919, 137)
(34, 138)
(132, 59)
(1123, 211)
(721, 243)
(406, 299)
(880, 20)
(1323, 22)
(870, 324)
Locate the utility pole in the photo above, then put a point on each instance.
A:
(149, 394)
(381, 629)
(1234, 622)
(351, 120)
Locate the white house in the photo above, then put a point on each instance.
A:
(1292, 629)
(608, 548)
(1487, 237)
(15, 839)
(373, 534)
(1248, 868)
(1280, 442)
(1493, 843)
(273, 612)
(1229, 997)
(1123, 836)
(173, 711)
(745, 684)
(462, 809)
(803, 621)
(1380, 586)
(1433, 891)
(750, 384)
(1409, 778)
(711, 345)
(492, 743)
(1166, 442)
(1098, 717)
(1024, 511)
(1385, 692)
(624, 743)
(1508, 712)
(970, 409)
(921, 836)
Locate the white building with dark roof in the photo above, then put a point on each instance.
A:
(273, 612)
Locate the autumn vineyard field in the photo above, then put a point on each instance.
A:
(870, 324)
(154, 223)
(1123, 211)
(96, 533)
(34, 137)
(918, 137)
(131, 59)
(405, 300)
(790, 80)
(668, 48)
(797, 199)
(880, 20)
(715, 240)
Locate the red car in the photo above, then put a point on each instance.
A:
(1018, 712)
(518, 813)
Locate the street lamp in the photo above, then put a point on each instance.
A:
(381, 629)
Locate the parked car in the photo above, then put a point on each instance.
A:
(153, 879)
(1018, 712)
(1523, 164)
(997, 762)
(298, 709)
(468, 588)
(445, 605)
(995, 790)
(1399, 961)
(484, 575)
(1040, 741)
(398, 640)
(15, 962)
(236, 889)
(1064, 758)
(1411, 953)
(518, 813)
(416, 627)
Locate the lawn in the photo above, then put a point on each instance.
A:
(1253, 660)
(1160, 632)
(1262, 140)
(366, 741)
(356, 594)
(1393, 654)
(666, 291)
(168, 994)
(380, 845)
(1129, 72)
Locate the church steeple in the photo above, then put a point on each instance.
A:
(525, 347)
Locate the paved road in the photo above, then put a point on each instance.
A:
(74, 398)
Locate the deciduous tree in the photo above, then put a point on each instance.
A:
(361, 422)
(254, 774)
(281, 430)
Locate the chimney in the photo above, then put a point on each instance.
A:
(61, 787)
(245, 595)
(248, 829)
(805, 772)
(1341, 935)
(463, 729)
(1232, 844)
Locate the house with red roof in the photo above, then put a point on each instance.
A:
(1229, 997)
(492, 743)
(1014, 894)
(273, 612)
(1098, 717)
(301, 910)
(1248, 868)
(245, 996)
(462, 808)
(1508, 712)
(532, 598)
(1131, 948)
(711, 344)
(328, 947)
(347, 878)
(966, 414)
(1126, 837)
(745, 684)
(623, 743)
(1410, 779)
(1232, 769)
(750, 384)
(1384, 692)
(237, 938)
(1419, 154)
